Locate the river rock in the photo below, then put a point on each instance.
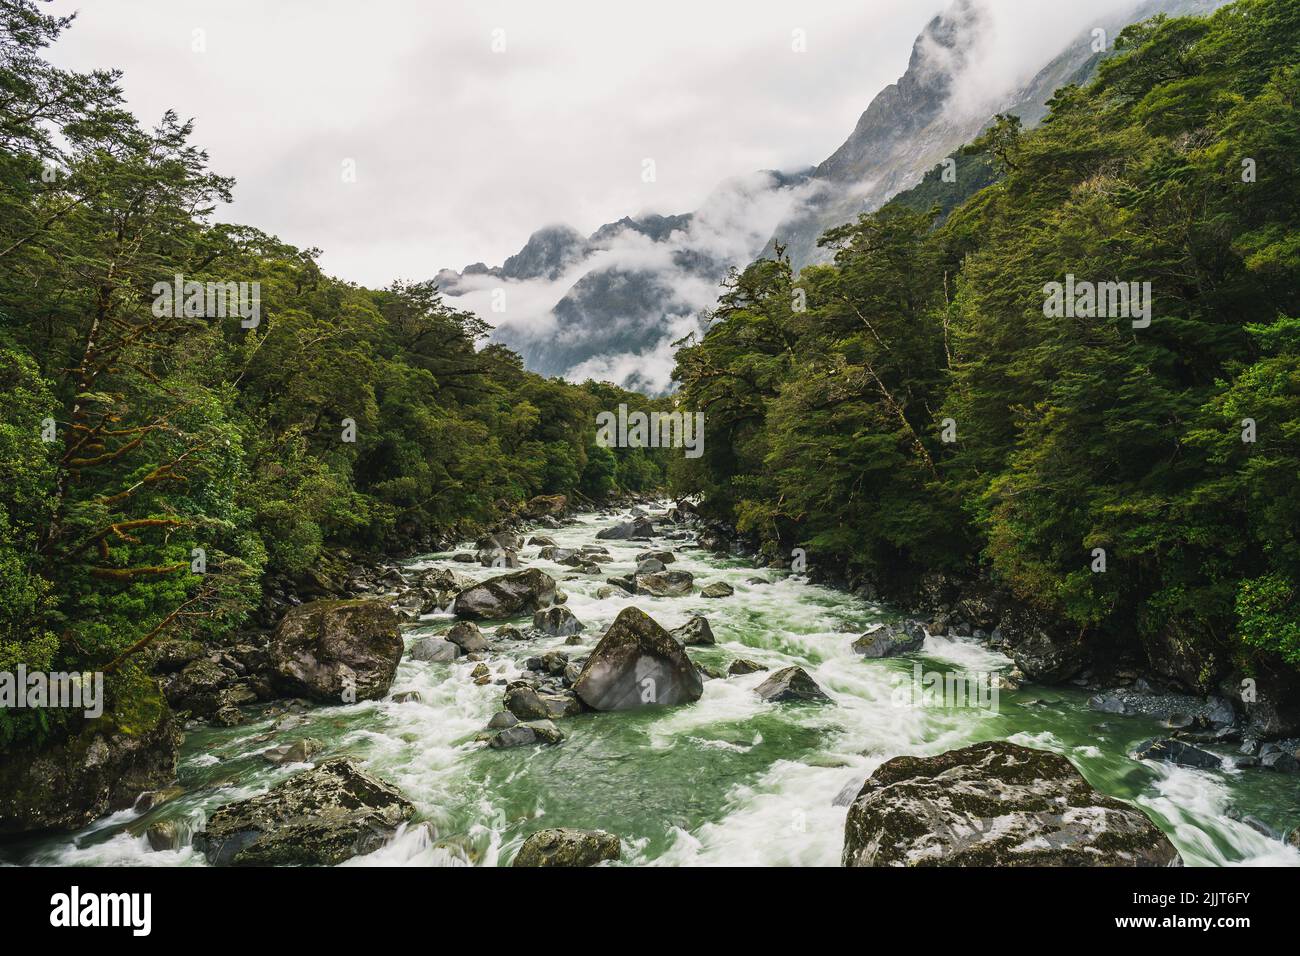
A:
(467, 636)
(525, 702)
(318, 818)
(718, 589)
(627, 582)
(789, 684)
(541, 541)
(103, 766)
(663, 557)
(526, 734)
(1175, 751)
(509, 595)
(557, 554)
(545, 506)
(163, 835)
(1281, 761)
(695, 631)
(557, 622)
(650, 566)
(995, 804)
(327, 649)
(665, 583)
(638, 528)
(636, 664)
(498, 558)
(434, 650)
(297, 752)
(500, 541)
(564, 846)
(1042, 651)
(891, 641)
(741, 666)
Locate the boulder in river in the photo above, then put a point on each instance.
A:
(637, 664)
(1175, 751)
(718, 589)
(663, 557)
(995, 804)
(467, 636)
(665, 583)
(501, 541)
(557, 554)
(317, 818)
(557, 621)
(565, 846)
(789, 684)
(741, 666)
(526, 734)
(336, 651)
(509, 595)
(434, 650)
(891, 641)
(636, 529)
(695, 631)
(1040, 649)
(498, 558)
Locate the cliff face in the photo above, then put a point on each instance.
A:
(611, 304)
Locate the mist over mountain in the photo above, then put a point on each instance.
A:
(610, 305)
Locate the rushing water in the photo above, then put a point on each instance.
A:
(729, 779)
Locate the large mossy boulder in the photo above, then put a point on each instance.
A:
(318, 818)
(102, 766)
(337, 651)
(995, 804)
(637, 664)
(508, 595)
(566, 847)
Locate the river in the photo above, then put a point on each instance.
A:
(728, 780)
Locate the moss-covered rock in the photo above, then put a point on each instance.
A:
(337, 651)
(101, 767)
(995, 804)
(564, 846)
(508, 595)
(318, 818)
(637, 664)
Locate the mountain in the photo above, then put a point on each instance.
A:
(611, 304)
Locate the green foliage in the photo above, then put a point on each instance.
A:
(1070, 434)
(179, 439)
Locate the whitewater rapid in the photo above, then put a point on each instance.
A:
(728, 780)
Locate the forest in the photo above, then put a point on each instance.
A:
(157, 467)
(913, 407)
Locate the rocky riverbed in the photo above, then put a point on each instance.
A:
(620, 688)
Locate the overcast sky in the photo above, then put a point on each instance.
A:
(460, 151)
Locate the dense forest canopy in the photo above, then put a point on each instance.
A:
(158, 466)
(912, 407)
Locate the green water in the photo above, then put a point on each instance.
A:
(729, 779)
